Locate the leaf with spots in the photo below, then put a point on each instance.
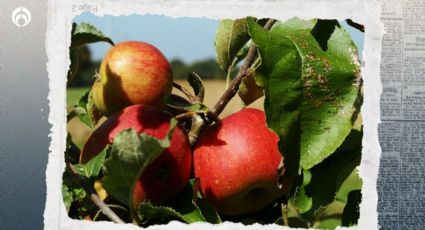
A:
(312, 95)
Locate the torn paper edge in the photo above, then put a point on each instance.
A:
(58, 38)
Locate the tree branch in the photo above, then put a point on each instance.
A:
(243, 72)
(198, 121)
(94, 197)
(284, 210)
(110, 206)
(185, 92)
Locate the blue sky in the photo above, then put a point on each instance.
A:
(189, 39)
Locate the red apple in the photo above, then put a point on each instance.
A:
(131, 73)
(169, 173)
(236, 161)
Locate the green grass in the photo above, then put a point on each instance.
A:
(74, 94)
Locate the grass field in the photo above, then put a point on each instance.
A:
(213, 90)
(73, 94)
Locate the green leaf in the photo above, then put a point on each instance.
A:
(196, 108)
(85, 33)
(74, 66)
(322, 182)
(329, 223)
(72, 152)
(176, 104)
(177, 101)
(351, 213)
(83, 103)
(66, 196)
(76, 200)
(183, 209)
(249, 91)
(302, 201)
(242, 53)
(312, 95)
(197, 85)
(353, 182)
(75, 112)
(208, 211)
(330, 217)
(323, 30)
(194, 211)
(199, 211)
(230, 38)
(94, 114)
(163, 214)
(129, 154)
(92, 168)
(81, 111)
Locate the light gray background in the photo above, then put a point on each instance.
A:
(24, 128)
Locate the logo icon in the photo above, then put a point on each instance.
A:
(21, 17)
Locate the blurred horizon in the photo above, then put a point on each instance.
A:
(193, 38)
(188, 43)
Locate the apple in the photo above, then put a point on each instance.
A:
(236, 161)
(133, 72)
(165, 176)
(97, 95)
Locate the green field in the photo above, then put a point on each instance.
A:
(213, 90)
(73, 94)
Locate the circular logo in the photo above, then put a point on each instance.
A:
(21, 17)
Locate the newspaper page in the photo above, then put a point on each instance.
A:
(401, 178)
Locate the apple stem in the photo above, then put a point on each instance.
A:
(284, 214)
(96, 75)
(96, 216)
(243, 72)
(186, 92)
(188, 114)
(196, 188)
(94, 196)
(199, 121)
(280, 173)
(295, 212)
(197, 124)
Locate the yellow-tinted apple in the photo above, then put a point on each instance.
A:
(131, 73)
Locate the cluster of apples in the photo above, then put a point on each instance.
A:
(235, 159)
